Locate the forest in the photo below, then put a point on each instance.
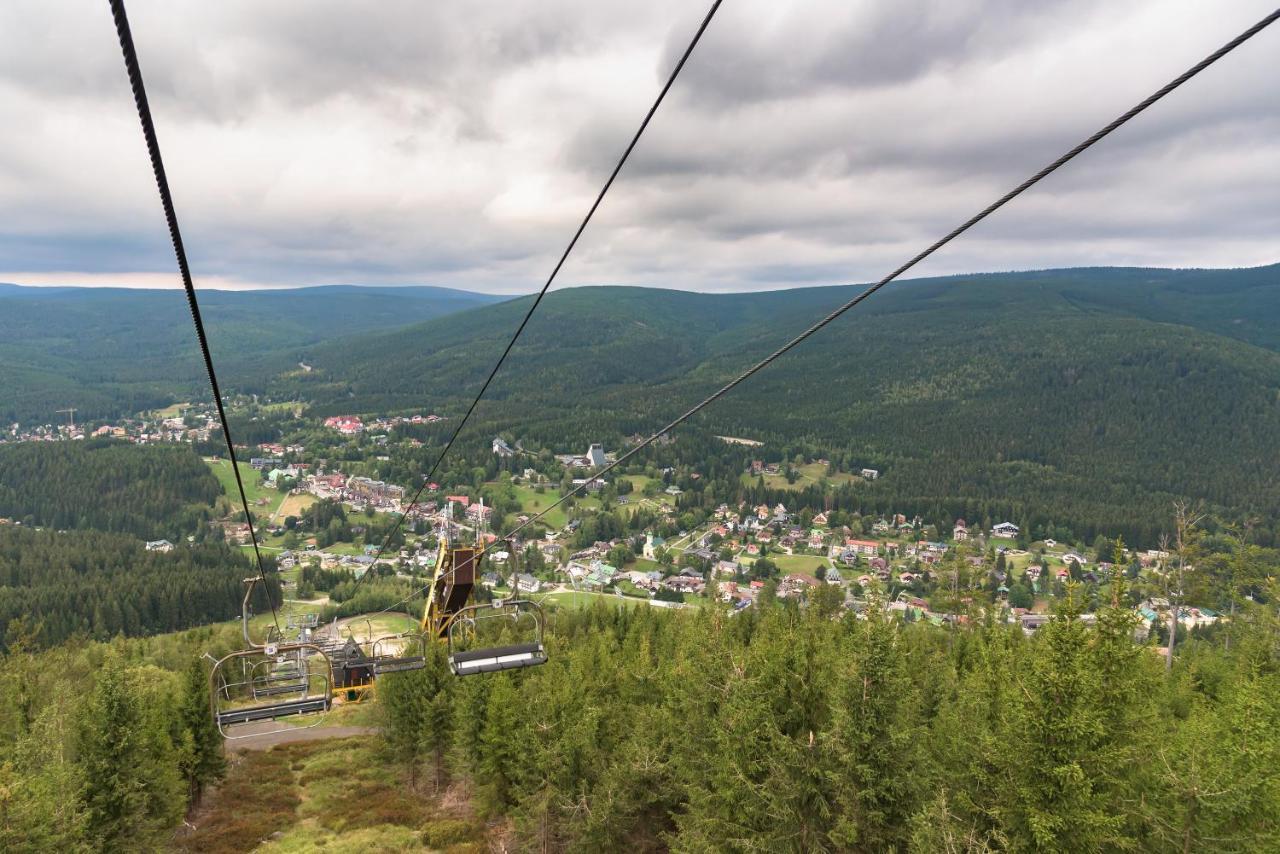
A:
(113, 351)
(97, 585)
(787, 729)
(149, 491)
(1096, 396)
(795, 730)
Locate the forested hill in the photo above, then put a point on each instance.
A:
(113, 351)
(1097, 391)
(148, 491)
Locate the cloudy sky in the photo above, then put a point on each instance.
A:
(459, 143)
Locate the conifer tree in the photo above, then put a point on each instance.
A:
(200, 756)
(128, 768)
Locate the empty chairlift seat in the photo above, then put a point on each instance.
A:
(523, 618)
(411, 654)
(498, 658)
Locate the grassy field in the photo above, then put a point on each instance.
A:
(638, 483)
(293, 505)
(382, 624)
(294, 406)
(345, 548)
(532, 501)
(808, 475)
(573, 599)
(641, 564)
(170, 411)
(337, 795)
(802, 564)
(253, 488)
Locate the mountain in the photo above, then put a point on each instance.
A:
(1100, 393)
(108, 351)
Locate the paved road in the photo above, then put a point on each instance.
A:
(266, 738)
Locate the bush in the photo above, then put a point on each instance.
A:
(443, 832)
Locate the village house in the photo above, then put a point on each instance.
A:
(1007, 530)
(795, 585)
(728, 568)
(347, 425)
(375, 492)
(959, 532)
(864, 547)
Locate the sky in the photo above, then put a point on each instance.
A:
(459, 144)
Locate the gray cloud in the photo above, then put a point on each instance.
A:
(807, 143)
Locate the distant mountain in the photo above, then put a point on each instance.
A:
(1101, 392)
(107, 351)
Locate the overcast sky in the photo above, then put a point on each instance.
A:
(459, 143)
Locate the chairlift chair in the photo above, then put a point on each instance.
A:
(278, 680)
(411, 653)
(525, 616)
(447, 615)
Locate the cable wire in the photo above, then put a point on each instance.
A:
(950, 236)
(943, 241)
(171, 217)
(564, 256)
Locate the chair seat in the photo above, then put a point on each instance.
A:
(497, 658)
(399, 665)
(272, 711)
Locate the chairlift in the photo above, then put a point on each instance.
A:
(392, 657)
(277, 680)
(466, 657)
(448, 617)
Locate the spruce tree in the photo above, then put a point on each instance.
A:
(128, 766)
(200, 757)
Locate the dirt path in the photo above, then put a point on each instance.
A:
(268, 739)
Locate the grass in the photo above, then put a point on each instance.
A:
(293, 505)
(171, 411)
(579, 599)
(345, 548)
(642, 564)
(295, 406)
(341, 795)
(802, 564)
(532, 501)
(382, 624)
(807, 475)
(253, 488)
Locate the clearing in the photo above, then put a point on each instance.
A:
(171, 411)
(293, 505)
(335, 794)
(802, 564)
(807, 475)
(263, 499)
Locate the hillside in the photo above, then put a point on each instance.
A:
(1087, 392)
(109, 351)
